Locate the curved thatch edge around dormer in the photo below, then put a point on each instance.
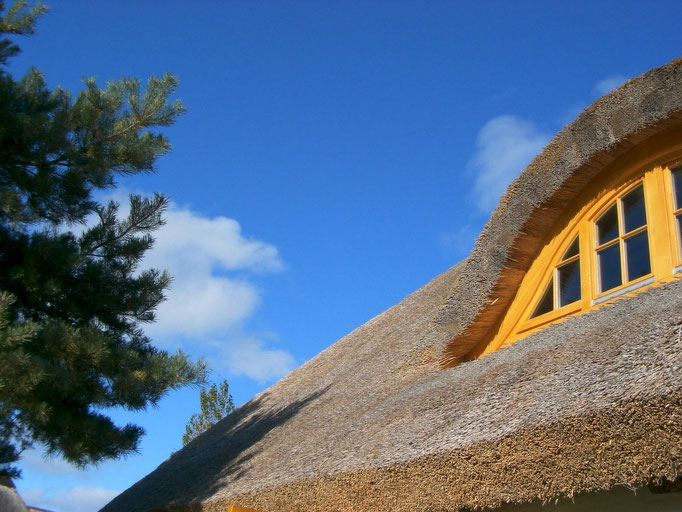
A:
(636, 111)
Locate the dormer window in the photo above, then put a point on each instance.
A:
(622, 243)
(626, 236)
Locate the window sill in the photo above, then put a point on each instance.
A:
(623, 291)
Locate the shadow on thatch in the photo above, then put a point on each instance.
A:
(222, 454)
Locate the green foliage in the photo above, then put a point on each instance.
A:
(72, 297)
(19, 19)
(216, 403)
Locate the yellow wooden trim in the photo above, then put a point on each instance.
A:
(586, 267)
(550, 316)
(647, 164)
(237, 508)
(617, 289)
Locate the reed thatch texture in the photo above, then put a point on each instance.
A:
(590, 403)
(10, 501)
(377, 359)
(375, 423)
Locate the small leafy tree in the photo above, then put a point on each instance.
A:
(72, 296)
(216, 403)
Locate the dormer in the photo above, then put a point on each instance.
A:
(621, 235)
(595, 218)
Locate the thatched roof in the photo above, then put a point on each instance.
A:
(375, 422)
(10, 501)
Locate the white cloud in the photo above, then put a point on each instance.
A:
(190, 237)
(248, 356)
(213, 294)
(608, 84)
(504, 147)
(76, 499)
(202, 254)
(204, 305)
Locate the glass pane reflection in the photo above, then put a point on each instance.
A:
(546, 303)
(609, 267)
(569, 283)
(634, 213)
(607, 226)
(637, 252)
(573, 250)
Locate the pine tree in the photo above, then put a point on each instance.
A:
(216, 403)
(72, 296)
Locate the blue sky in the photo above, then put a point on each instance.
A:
(335, 157)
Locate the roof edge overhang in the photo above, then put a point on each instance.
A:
(640, 109)
(474, 476)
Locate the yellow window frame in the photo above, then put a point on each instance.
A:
(597, 294)
(237, 508)
(649, 164)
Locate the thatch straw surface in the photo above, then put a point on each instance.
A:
(375, 423)
(586, 404)
(10, 501)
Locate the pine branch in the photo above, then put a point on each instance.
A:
(149, 220)
(71, 344)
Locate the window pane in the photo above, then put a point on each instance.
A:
(546, 303)
(677, 183)
(637, 253)
(679, 230)
(572, 250)
(609, 267)
(569, 282)
(607, 226)
(634, 213)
